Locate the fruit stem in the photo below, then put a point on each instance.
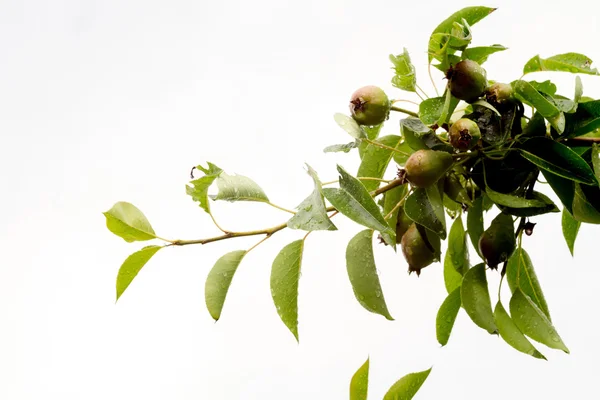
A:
(402, 110)
(432, 81)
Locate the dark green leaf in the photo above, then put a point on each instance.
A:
(446, 316)
(476, 298)
(311, 215)
(390, 200)
(345, 148)
(362, 271)
(533, 322)
(199, 187)
(132, 265)
(564, 188)
(128, 222)
(568, 62)
(557, 158)
(475, 223)
(548, 207)
(536, 126)
(354, 201)
(375, 160)
(218, 281)
(521, 274)
(471, 15)
(583, 209)
(285, 275)
(405, 77)
(512, 201)
(407, 386)
(596, 160)
(481, 54)
(425, 207)
(238, 188)
(349, 125)
(359, 384)
(570, 228)
(512, 335)
(458, 253)
(529, 95)
(419, 136)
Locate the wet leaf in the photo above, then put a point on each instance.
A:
(570, 228)
(512, 201)
(218, 281)
(557, 158)
(354, 201)
(567, 62)
(529, 95)
(481, 54)
(132, 266)
(512, 335)
(546, 87)
(390, 200)
(349, 125)
(128, 222)
(375, 160)
(475, 223)
(430, 110)
(344, 148)
(425, 207)
(407, 386)
(521, 274)
(285, 276)
(564, 188)
(362, 271)
(238, 188)
(532, 321)
(548, 207)
(405, 151)
(405, 77)
(476, 298)
(198, 188)
(446, 316)
(458, 253)
(311, 215)
(583, 209)
(359, 384)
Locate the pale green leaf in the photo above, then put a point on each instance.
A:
(375, 160)
(525, 92)
(343, 148)
(311, 215)
(238, 188)
(407, 386)
(218, 281)
(567, 62)
(349, 125)
(481, 54)
(128, 222)
(405, 77)
(359, 385)
(198, 188)
(132, 266)
(476, 298)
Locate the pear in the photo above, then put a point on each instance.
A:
(467, 80)
(370, 106)
(426, 167)
(416, 250)
(464, 134)
(498, 241)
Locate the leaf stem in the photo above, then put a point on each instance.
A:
(216, 223)
(259, 242)
(281, 208)
(383, 146)
(405, 111)
(432, 81)
(422, 91)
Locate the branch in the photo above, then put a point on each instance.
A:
(270, 231)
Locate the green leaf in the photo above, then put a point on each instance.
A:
(533, 322)
(512, 335)
(458, 253)
(375, 160)
(529, 95)
(354, 201)
(450, 103)
(568, 62)
(564, 188)
(218, 281)
(425, 207)
(557, 158)
(405, 77)
(485, 104)
(407, 386)
(311, 215)
(132, 265)
(546, 87)
(344, 148)
(238, 188)
(372, 133)
(419, 136)
(446, 316)
(596, 160)
(548, 207)
(128, 222)
(359, 384)
(475, 223)
(570, 228)
(285, 275)
(403, 153)
(471, 15)
(199, 187)
(583, 210)
(578, 90)
(360, 264)
(430, 110)
(481, 54)
(452, 279)
(390, 200)
(512, 201)
(349, 125)
(521, 275)
(476, 298)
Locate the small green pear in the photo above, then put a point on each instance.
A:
(417, 252)
(370, 105)
(498, 242)
(426, 167)
(467, 80)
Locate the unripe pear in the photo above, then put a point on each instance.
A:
(426, 167)
(417, 253)
(464, 134)
(498, 241)
(467, 80)
(499, 93)
(369, 105)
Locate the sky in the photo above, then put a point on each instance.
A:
(106, 101)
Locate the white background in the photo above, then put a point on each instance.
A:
(102, 101)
